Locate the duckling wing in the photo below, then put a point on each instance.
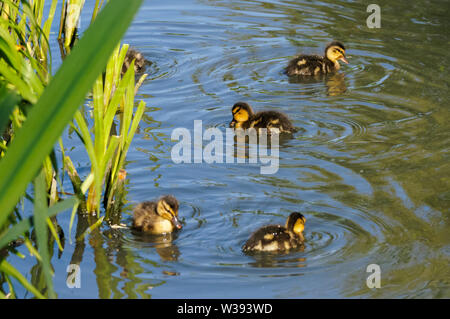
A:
(268, 238)
(272, 119)
(143, 214)
(306, 65)
(139, 61)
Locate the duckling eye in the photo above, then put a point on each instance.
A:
(168, 209)
(236, 110)
(173, 211)
(242, 115)
(338, 52)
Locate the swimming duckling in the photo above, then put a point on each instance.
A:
(315, 64)
(277, 237)
(244, 117)
(139, 61)
(157, 217)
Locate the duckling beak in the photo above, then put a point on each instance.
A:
(176, 222)
(232, 123)
(343, 59)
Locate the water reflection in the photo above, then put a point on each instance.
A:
(335, 82)
(369, 170)
(264, 261)
(163, 244)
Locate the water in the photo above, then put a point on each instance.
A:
(370, 168)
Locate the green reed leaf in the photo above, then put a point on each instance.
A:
(8, 100)
(8, 269)
(60, 100)
(40, 226)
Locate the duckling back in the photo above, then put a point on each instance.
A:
(272, 238)
(272, 119)
(309, 65)
(147, 220)
(139, 61)
(143, 214)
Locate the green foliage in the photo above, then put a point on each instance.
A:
(57, 105)
(108, 151)
(38, 109)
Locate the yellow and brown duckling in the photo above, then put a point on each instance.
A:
(277, 238)
(318, 65)
(157, 217)
(245, 118)
(140, 62)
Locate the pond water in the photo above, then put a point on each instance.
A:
(370, 167)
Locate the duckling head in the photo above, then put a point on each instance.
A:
(296, 224)
(167, 208)
(241, 113)
(335, 51)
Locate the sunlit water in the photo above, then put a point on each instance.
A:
(370, 168)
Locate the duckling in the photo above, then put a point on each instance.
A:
(157, 217)
(315, 64)
(276, 237)
(244, 117)
(139, 61)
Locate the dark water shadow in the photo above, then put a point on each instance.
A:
(288, 259)
(163, 244)
(335, 82)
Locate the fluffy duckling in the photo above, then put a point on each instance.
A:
(139, 61)
(244, 118)
(316, 65)
(276, 237)
(157, 217)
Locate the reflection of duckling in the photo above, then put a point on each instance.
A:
(314, 64)
(168, 252)
(336, 84)
(244, 118)
(139, 61)
(277, 237)
(157, 217)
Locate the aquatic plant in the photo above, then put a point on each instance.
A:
(112, 94)
(36, 108)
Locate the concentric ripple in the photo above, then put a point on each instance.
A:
(367, 168)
